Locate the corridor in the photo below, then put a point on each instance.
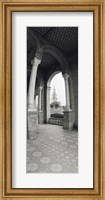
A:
(54, 150)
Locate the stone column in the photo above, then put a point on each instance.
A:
(48, 102)
(32, 112)
(68, 114)
(35, 102)
(32, 82)
(39, 98)
(40, 114)
(66, 76)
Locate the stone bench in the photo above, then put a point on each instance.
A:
(56, 121)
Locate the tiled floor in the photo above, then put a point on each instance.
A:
(54, 150)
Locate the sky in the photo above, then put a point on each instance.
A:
(58, 82)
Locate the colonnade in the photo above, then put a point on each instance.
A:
(32, 111)
(31, 90)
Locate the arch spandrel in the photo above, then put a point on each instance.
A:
(36, 41)
(58, 55)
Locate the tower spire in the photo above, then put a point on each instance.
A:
(54, 95)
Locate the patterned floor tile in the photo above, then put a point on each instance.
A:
(32, 167)
(35, 154)
(56, 168)
(54, 151)
(30, 148)
(45, 160)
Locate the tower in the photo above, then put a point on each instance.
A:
(54, 95)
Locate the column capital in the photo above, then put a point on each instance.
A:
(48, 87)
(39, 54)
(35, 61)
(66, 76)
(40, 87)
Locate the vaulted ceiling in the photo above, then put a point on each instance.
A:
(65, 39)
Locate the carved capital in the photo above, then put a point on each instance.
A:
(36, 61)
(48, 88)
(39, 54)
(40, 87)
(65, 76)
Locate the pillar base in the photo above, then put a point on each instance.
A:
(32, 123)
(68, 120)
(40, 117)
(31, 134)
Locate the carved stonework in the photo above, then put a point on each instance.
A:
(36, 61)
(39, 55)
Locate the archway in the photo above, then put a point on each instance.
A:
(50, 72)
(58, 89)
(57, 99)
(48, 90)
(51, 52)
